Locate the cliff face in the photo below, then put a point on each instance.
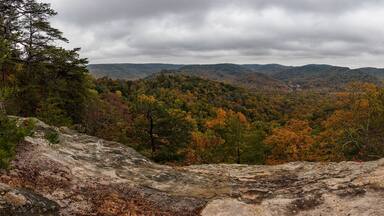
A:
(84, 175)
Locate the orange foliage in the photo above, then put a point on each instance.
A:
(290, 143)
(221, 115)
(202, 144)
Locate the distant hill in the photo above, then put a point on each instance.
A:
(251, 76)
(267, 68)
(377, 72)
(325, 77)
(234, 74)
(128, 71)
(138, 71)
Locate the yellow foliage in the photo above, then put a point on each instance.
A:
(242, 118)
(119, 93)
(221, 115)
(290, 143)
(147, 99)
(362, 104)
(340, 118)
(201, 146)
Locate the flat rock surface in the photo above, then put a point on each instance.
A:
(85, 175)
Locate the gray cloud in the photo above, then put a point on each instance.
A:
(343, 32)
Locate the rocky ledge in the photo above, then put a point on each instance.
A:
(84, 175)
(22, 202)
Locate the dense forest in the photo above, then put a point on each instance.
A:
(187, 115)
(190, 120)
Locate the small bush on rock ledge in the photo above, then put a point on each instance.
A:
(10, 135)
(52, 136)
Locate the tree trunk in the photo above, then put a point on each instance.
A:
(150, 131)
(2, 107)
(238, 152)
(4, 74)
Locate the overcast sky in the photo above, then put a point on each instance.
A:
(292, 32)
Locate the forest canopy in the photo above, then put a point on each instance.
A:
(227, 124)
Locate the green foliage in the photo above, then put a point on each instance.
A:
(324, 77)
(254, 151)
(170, 113)
(10, 135)
(52, 136)
(5, 93)
(236, 75)
(128, 71)
(189, 120)
(39, 78)
(166, 131)
(5, 50)
(51, 113)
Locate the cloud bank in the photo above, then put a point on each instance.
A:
(294, 32)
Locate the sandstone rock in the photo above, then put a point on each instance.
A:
(90, 176)
(230, 207)
(14, 202)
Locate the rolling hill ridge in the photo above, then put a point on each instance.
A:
(251, 76)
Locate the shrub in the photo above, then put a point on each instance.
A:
(51, 113)
(10, 135)
(52, 137)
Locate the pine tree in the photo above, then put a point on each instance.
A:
(37, 32)
(9, 32)
(48, 81)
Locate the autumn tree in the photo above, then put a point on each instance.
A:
(150, 109)
(203, 148)
(353, 130)
(166, 130)
(292, 142)
(232, 127)
(108, 115)
(254, 150)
